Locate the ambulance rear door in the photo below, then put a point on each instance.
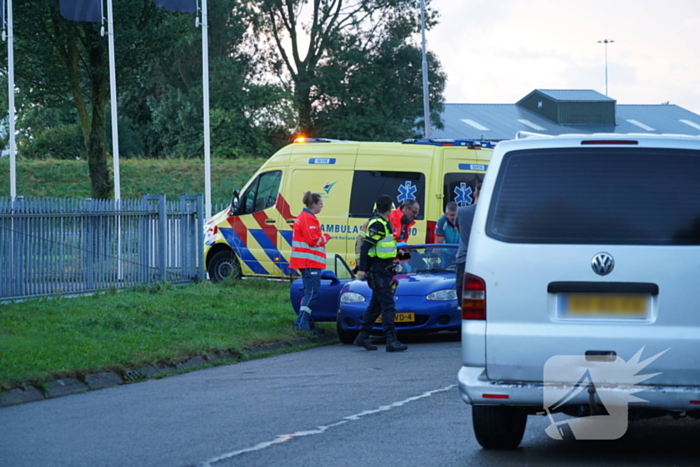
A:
(327, 169)
(462, 168)
(397, 170)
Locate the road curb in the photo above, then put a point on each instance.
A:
(105, 379)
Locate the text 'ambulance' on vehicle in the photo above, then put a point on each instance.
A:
(253, 236)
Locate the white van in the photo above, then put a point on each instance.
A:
(581, 286)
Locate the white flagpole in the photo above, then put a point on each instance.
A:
(11, 101)
(205, 88)
(113, 100)
(115, 134)
(426, 98)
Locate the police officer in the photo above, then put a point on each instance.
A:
(377, 266)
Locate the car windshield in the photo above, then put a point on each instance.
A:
(427, 258)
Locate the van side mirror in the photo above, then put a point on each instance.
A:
(234, 202)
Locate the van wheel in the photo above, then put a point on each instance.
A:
(346, 337)
(224, 264)
(498, 427)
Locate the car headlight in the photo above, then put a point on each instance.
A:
(448, 294)
(351, 297)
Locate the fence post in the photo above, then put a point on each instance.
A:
(89, 249)
(162, 235)
(18, 245)
(199, 238)
(183, 220)
(143, 244)
(191, 235)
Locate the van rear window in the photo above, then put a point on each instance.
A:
(635, 196)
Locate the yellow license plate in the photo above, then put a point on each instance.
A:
(401, 318)
(627, 305)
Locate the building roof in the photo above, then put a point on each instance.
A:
(533, 113)
(496, 122)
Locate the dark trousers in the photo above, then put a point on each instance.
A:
(459, 282)
(379, 279)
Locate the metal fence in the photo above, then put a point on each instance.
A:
(65, 246)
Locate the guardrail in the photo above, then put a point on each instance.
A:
(52, 246)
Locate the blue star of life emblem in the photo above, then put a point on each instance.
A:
(406, 191)
(463, 193)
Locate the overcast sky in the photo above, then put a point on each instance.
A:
(498, 51)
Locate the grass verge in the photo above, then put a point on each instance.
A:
(60, 337)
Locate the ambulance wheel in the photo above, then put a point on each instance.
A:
(223, 265)
(346, 337)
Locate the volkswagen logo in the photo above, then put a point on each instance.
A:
(603, 264)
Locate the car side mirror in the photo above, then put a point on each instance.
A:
(234, 202)
(329, 276)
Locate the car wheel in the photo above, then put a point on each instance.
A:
(346, 337)
(224, 264)
(498, 427)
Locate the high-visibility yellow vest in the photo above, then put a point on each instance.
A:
(385, 248)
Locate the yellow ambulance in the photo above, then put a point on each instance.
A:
(253, 236)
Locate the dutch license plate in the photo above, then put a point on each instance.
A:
(602, 305)
(401, 318)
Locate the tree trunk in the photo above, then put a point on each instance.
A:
(302, 91)
(100, 181)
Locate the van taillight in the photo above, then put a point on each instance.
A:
(430, 231)
(473, 297)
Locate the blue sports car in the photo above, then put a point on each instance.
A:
(426, 300)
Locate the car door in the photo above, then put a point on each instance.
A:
(332, 281)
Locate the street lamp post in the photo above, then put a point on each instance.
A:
(426, 94)
(606, 42)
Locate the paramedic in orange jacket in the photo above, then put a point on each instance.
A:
(403, 218)
(309, 257)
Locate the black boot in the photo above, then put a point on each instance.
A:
(315, 329)
(362, 340)
(393, 344)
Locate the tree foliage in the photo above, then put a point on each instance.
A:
(344, 59)
(347, 69)
(66, 63)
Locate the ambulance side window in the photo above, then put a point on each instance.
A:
(367, 185)
(262, 192)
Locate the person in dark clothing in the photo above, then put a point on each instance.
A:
(463, 223)
(376, 264)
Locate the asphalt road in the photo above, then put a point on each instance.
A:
(328, 406)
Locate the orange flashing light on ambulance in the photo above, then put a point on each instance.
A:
(253, 236)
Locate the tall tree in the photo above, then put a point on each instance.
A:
(61, 63)
(308, 43)
(377, 94)
(249, 116)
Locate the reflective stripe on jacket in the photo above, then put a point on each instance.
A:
(308, 242)
(385, 246)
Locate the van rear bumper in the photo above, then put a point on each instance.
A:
(476, 389)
